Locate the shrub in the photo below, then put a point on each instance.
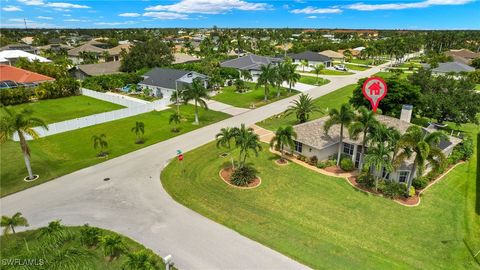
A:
(313, 160)
(243, 176)
(13, 96)
(90, 236)
(394, 189)
(301, 157)
(465, 148)
(104, 83)
(420, 182)
(366, 180)
(322, 164)
(346, 164)
(412, 191)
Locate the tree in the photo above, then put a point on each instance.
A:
(139, 260)
(198, 93)
(266, 78)
(139, 130)
(88, 57)
(476, 63)
(424, 146)
(90, 236)
(344, 118)
(246, 141)
(149, 54)
(291, 76)
(304, 64)
(317, 70)
(279, 78)
(378, 157)
(284, 136)
(363, 124)
(175, 118)
(302, 107)
(100, 142)
(224, 137)
(113, 246)
(23, 125)
(348, 55)
(246, 75)
(9, 223)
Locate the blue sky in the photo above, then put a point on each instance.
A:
(386, 14)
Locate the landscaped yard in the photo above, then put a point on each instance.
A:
(254, 96)
(332, 100)
(477, 87)
(333, 72)
(70, 253)
(63, 153)
(355, 67)
(325, 223)
(60, 109)
(313, 80)
(366, 61)
(385, 74)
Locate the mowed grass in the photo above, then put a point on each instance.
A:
(477, 87)
(313, 80)
(60, 109)
(333, 72)
(63, 153)
(253, 97)
(325, 223)
(366, 61)
(355, 67)
(15, 245)
(332, 100)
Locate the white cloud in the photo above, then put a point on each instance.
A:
(166, 15)
(75, 20)
(19, 20)
(311, 17)
(44, 18)
(398, 6)
(11, 8)
(314, 10)
(209, 6)
(66, 15)
(114, 23)
(65, 5)
(129, 14)
(32, 2)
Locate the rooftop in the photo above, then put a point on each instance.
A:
(250, 62)
(7, 55)
(101, 68)
(22, 76)
(310, 56)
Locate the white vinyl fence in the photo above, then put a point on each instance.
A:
(99, 118)
(114, 98)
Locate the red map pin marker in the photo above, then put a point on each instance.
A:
(374, 89)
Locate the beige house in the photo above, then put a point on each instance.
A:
(335, 56)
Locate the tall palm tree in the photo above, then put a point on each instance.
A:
(363, 124)
(302, 107)
(284, 136)
(247, 141)
(344, 118)
(175, 118)
(246, 75)
(139, 260)
(279, 78)
(266, 78)
(112, 246)
(198, 93)
(348, 55)
(317, 70)
(9, 223)
(378, 158)
(100, 142)
(224, 137)
(139, 130)
(23, 125)
(291, 76)
(424, 146)
(304, 63)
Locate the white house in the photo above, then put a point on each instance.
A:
(313, 59)
(9, 57)
(252, 63)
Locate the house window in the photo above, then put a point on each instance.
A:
(403, 176)
(298, 147)
(348, 149)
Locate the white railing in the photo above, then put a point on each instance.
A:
(114, 98)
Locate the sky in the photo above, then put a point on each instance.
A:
(352, 14)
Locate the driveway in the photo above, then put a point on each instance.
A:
(134, 203)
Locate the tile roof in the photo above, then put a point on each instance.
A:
(85, 48)
(101, 68)
(18, 75)
(332, 54)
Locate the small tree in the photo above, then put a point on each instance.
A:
(9, 223)
(284, 137)
(304, 63)
(197, 93)
(302, 107)
(91, 236)
(140, 260)
(317, 70)
(378, 158)
(266, 79)
(139, 130)
(344, 118)
(246, 75)
(113, 246)
(247, 141)
(175, 118)
(100, 142)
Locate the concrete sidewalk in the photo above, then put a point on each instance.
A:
(222, 107)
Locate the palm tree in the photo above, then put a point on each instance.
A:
(348, 55)
(23, 125)
(284, 137)
(246, 75)
(175, 118)
(377, 158)
(425, 147)
(302, 107)
(247, 141)
(112, 246)
(11, 222)
(363, 124)
(317, 70)
(100, 142)
(344, 118)
(279, 78)
(291, 76)
(224, 137)
(266, 78)
(139, 130)
(304, 63)
(198, 93)
(139, 260)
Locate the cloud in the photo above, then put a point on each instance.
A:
(44, 18)
(114, 23)
(11, 8)
(53, 4)
(311, 17)
(75, 20)
(209, 6)
(398, 6)
(314, 10)
(129, 14)
(32, 2)
(166, 15)
(19, 20)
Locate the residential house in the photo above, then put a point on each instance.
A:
(99, 49)
(450, 67)
(83, 71)
(312, 141)
(184, 58)
(463, 56)
(251, 62)
(9, 57)
(335, 56)
(313, 59)
(11, 77)
(164, 82)
(22, 47)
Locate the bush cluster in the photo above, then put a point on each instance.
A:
(420, 182)
(243, 176)
(392, 189)
(12, 96)
(346, 164)
(327, 163)
(106, 83)
(462, 151)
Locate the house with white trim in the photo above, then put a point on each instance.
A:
(251, 62)
(313, 59)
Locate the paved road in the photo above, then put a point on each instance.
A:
(134, 203)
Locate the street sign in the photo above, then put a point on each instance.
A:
(374, 89)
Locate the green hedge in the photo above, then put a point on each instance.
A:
(106, 83)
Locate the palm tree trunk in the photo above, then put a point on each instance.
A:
(410, 179)
(362, 153)
(26, 154)
(266, 93)
(13, 228)
(196, 113)
(340, 145)
(282, 155)
(278, 91)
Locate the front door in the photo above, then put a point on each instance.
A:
(358, 156)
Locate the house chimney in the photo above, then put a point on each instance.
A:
(406, 114)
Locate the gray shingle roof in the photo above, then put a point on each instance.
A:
(163, 77)
(310, 56)
(250, 62)
(452, 67)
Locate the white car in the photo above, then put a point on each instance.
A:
(340, 67)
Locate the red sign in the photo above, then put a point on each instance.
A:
(180, 157)
(374, 89)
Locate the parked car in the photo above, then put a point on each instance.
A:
(340, 67)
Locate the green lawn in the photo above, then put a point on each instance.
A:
(255, 96)
(388, 74)
(313, 80)
(477, 87)
(64, 153)
(333, 72)
(366, 61)
(14, 246)
(60, 109)
(355, 67)
(331, 100)
(325, 223)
